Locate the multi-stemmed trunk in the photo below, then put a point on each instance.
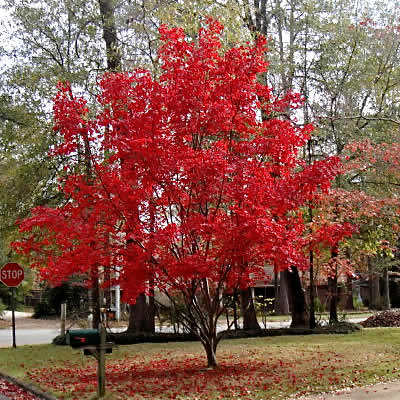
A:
(210, 346)
(202, 307)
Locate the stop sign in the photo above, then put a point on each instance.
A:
(12, 274)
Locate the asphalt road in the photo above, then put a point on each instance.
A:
(32, 336)
(27, 336)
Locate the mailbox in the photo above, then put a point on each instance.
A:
(77, 338)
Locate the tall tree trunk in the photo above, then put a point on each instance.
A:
(374, 289)
(235, 311)
(283, 299)
(107, 13)
(276, 291)
(386, 294)
(349, 285)
(349, 297)
(312, 322)
(297, 300)
(113, 58)
(142, 315)
(333, 297)
(95, 301)
(248, 310)
(333, 289)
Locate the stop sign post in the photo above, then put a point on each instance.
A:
(12, 274)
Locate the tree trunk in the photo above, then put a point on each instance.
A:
(349, 298)
(235, 313)
(113, 57)
(375, 292)
(297, 300)
(107, 13)
(283, 300)
(248, 310)
(333, 289)
(386, 294)
(333, 298)
(95, 302)
(142, 315)
(276, 291)
(374, 289)
(312, 322)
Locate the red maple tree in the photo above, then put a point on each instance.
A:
(195, 183)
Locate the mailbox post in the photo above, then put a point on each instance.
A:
(93, 343)
(101, 366)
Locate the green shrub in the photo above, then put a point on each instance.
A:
(70, 292)
(43, 309)
(2, 308)
(60, 340)
(319, 307)
(357, 303)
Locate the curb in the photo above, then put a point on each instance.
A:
(28, 387)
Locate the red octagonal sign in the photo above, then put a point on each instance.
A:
(12, 274)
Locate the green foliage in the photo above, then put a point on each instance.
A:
(319, 307)
(264, 308)
(357, 303)
(60, 340)
(2, 308)
(43, 309)
(20, 293)
(26, 173)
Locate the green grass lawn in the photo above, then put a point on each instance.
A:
(257, 368)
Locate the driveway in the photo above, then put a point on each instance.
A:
(380, 391)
